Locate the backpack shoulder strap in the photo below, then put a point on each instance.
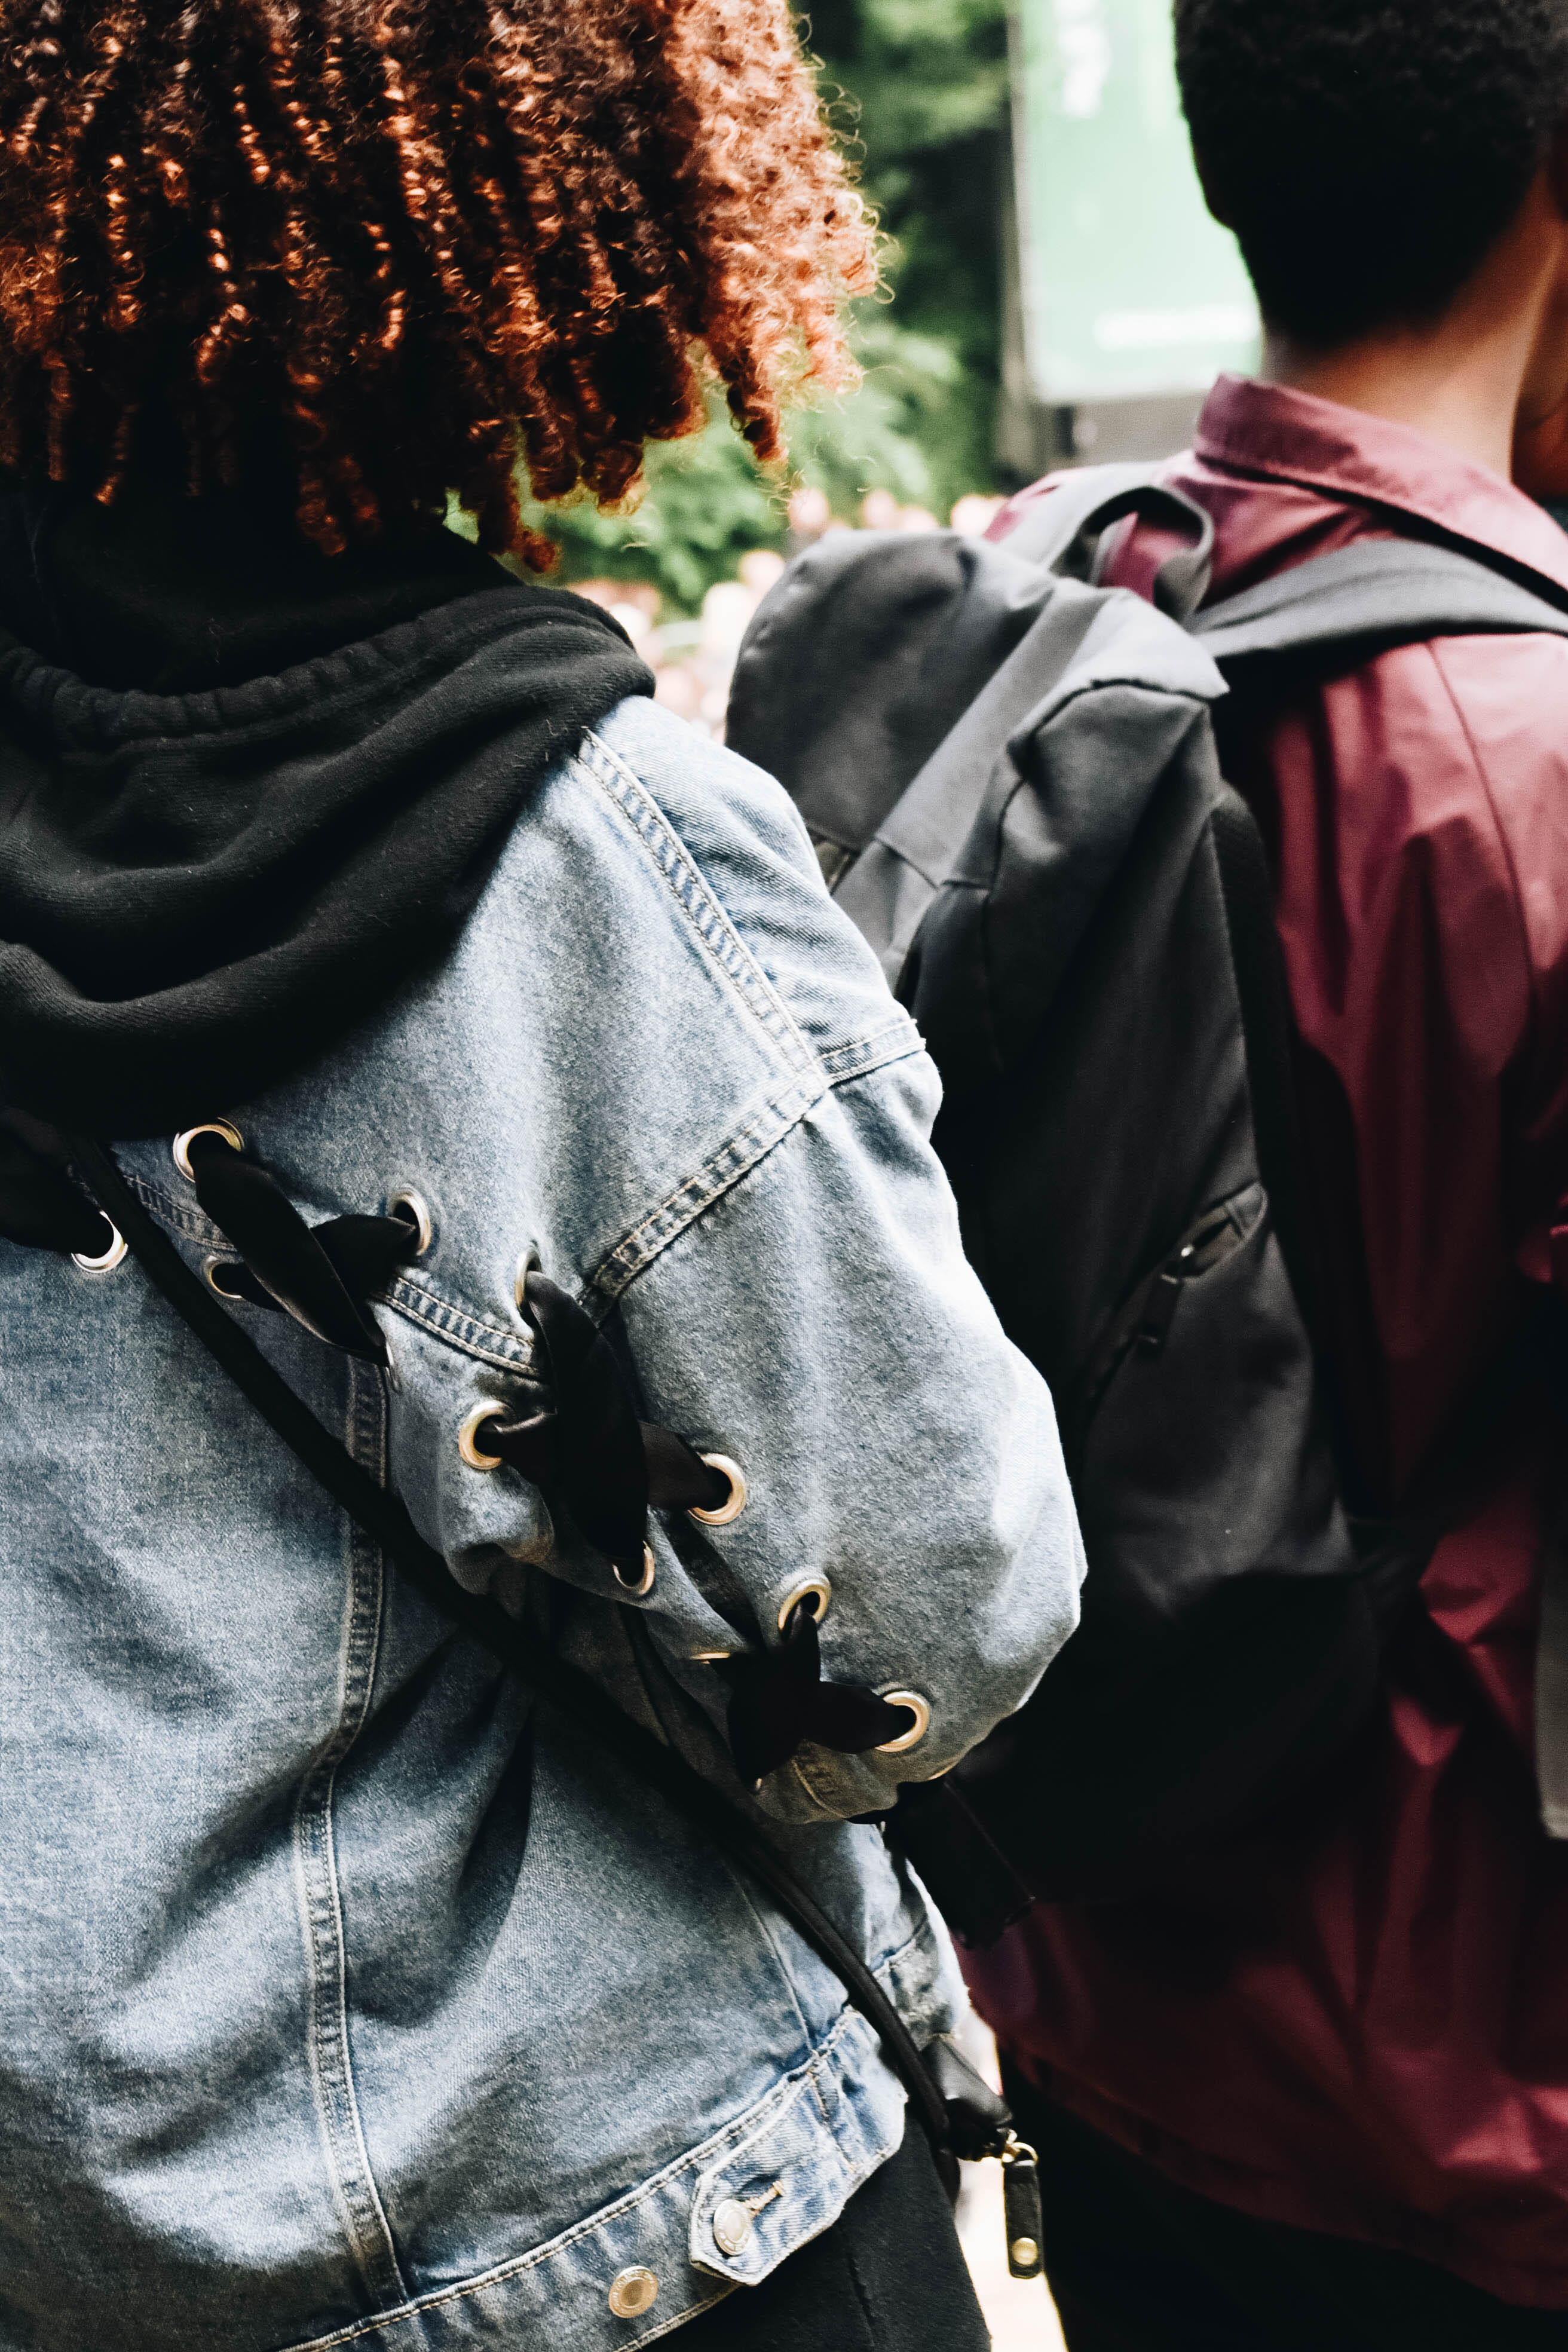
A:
(1062, 531)
(1049, 525)
(1377, 593)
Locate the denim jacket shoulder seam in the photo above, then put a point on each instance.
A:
(686, 879)
(705, 913)
(740, 1152)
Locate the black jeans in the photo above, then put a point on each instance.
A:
(1138, 2264)
(888, 2277)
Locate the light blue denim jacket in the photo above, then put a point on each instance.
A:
(340, 2004)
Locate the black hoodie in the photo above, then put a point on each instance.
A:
(246, 790)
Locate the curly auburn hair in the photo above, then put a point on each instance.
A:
(430, 237)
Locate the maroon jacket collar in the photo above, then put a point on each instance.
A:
(1272, 432)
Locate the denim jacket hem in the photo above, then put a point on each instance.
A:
(796, 2157)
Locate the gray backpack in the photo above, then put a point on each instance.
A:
(1011, 776)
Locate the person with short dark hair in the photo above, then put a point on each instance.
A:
(1368, 157)
(1313, 2096)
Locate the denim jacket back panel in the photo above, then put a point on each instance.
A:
(347, 1999)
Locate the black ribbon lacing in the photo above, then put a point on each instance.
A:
(588, 1453)
(42, 1208)
(962, 2115)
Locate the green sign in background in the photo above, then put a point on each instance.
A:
(1129, 288)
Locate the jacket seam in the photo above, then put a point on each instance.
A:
(700, 905)
(509, 1351)
(183, 1217)
(688, 883)
(338, 2121)
(743, 1152)
(505, 1349)
(809, 2071)
(727, 2287)
(765, 1929)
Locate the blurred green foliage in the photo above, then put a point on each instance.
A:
(705, 504)
(917, 90)
(707, 500)
(925, 103)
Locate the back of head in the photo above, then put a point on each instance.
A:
(407, 243)
(1368, 154)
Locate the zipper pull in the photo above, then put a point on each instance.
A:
(1159, 1310)
(1023, 2216)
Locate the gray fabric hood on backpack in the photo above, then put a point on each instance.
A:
(1076, 686)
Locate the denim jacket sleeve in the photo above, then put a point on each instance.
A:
(721, 1144)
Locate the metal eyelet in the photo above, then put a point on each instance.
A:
(181, 1145)
(641, 1584)
(419, 1210)
(209, 1273)
(467, 1447)
(816, 1589)
(735, 1503)
(528, 1263)
(918, 1707)
(109, 1258)
(710, 1657)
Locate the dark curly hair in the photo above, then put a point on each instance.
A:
(1368, 154)
(426, 237)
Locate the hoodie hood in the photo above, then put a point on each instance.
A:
(247, 791)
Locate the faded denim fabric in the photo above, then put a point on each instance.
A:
(342, 2001)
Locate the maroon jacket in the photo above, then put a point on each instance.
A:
(1360, 2024)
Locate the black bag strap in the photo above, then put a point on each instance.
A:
(954, 2119)
(1376, 593)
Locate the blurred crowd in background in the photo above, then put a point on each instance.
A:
(692, 658)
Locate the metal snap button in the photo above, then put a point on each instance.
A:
(731, 2226)
(468, 1436)
(639, 1584)
(181, 1147)
(412, 1209)
(817, 1589)
(736, 1502)
(918, 1707)
(108, 1259)
(633, 2291)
